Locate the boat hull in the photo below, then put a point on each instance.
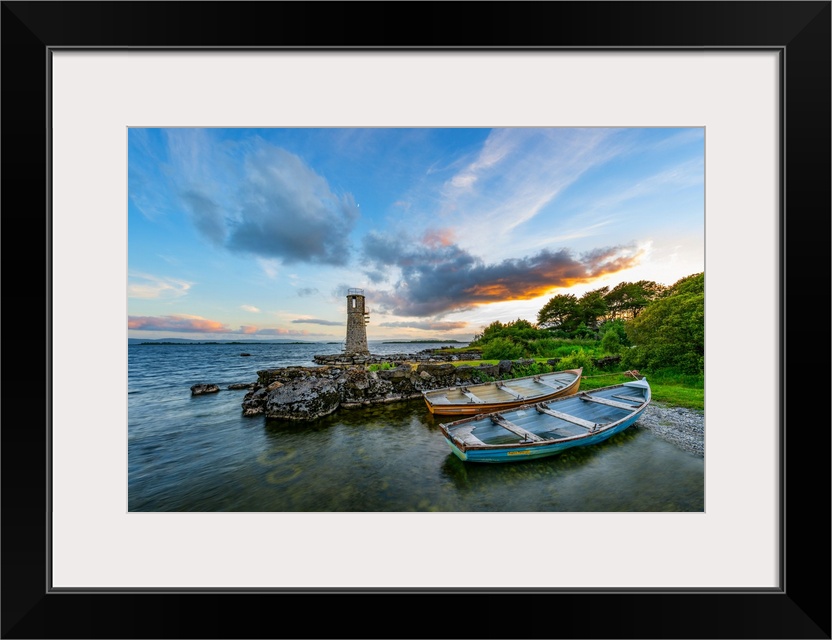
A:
(548, 428)
(472, 408)
(535, 451)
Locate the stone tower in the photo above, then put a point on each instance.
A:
(357, 320)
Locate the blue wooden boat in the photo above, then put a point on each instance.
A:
(547, 428)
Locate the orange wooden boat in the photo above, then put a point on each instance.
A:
(488, 397)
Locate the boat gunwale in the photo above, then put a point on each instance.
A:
(463, 447)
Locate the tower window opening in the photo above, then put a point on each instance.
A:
(353, 303)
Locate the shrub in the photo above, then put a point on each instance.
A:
(575, 360)
(533, 369)
(611, 343)
(502, 349)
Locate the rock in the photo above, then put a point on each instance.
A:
(254, 403)
(303, 398)
(202, 389)
(245, 354)
(505, 366)
(307, 393)
(364, 387)
(242, 385)
(402, 371)
(436, 370)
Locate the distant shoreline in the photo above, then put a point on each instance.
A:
(422, 342)
(195, 343)
(259, 342)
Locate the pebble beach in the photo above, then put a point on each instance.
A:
(683, 427)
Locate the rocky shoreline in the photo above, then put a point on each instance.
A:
(682, 427)
(306, 393)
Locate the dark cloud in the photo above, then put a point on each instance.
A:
(307, 291)
(206, 215)
(279, 208)
(328, 323)
(440, 278)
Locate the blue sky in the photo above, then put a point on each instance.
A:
(239, 234)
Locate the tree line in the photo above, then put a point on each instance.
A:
(650, 325)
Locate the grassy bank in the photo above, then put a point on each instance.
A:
(668, 388)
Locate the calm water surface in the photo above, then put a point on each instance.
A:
(201, 454)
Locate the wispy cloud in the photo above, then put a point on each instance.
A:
(304, 292)
(328, 323)
(197, 324)
(249, 308)
(680, 176)
(517, 173)
(178, 323)
(156, 287)
(270, 267)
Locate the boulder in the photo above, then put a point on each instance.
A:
(363, 387)
(242, 385)
(202, 389)
(302, 398)
(254, 404)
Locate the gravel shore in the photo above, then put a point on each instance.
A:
(683, 427)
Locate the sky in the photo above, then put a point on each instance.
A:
(257, 234)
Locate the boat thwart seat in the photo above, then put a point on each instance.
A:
(609, 403)
(586, 424)
(471, 396)
(517, 395)
(552, 385)
(510, 426)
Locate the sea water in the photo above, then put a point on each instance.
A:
(199, 453)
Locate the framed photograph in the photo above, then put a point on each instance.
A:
(753, 77)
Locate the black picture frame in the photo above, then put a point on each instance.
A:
(799, 31)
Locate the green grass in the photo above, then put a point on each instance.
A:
(676, 392)
(670, 388)
(384, 366)
(456, 350)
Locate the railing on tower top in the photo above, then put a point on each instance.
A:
(355, 292)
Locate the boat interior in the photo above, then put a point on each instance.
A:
(576, 415)
(502, 390)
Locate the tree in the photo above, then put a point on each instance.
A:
(627, 299)
(489, 333)
(670, 332)
(560, 312)
(592, 306)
